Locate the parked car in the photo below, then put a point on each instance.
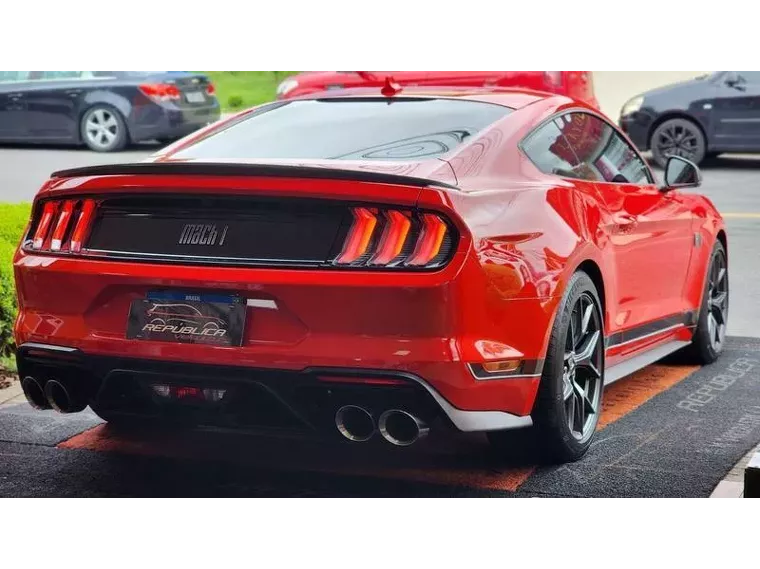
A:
(697, 119)
(104, 110)
(381, 266)
(575, 84)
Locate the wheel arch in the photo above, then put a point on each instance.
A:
(666, 116)
(595, 274)
(723, 238)
(593, 269)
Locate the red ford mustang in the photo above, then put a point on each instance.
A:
(372, 266)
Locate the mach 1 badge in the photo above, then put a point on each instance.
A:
(188, 318)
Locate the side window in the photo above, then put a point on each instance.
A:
(751, 77)
(548, 149)
(601, 152)
(60, 74)
(8, 76)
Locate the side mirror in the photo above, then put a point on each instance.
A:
(735, 81)
(681, 173)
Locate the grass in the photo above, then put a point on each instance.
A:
(238, 90)
(13, 220)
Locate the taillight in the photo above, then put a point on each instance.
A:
(62, 226)
(160, 91)
(210, 89)
(393, 238)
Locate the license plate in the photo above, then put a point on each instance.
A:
(195, 97)
(188, 318)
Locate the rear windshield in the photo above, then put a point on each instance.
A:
(350, 129)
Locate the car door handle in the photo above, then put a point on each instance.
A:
(15, 96)
(73, 92)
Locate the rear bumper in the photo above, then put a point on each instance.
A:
(155, 121)
(299, 400)
(430, 326)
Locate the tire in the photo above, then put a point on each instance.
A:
(710, 335)
(571, 383)
(103, 129)
(678, 137)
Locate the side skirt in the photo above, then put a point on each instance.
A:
(640, 361)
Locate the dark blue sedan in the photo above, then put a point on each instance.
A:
(105, 110)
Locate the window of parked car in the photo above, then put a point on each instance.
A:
(590, 149)
(14, 75)
(351, 129)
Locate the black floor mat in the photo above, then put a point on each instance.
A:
(680, 443)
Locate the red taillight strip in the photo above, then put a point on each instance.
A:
(362, 380)
(394, 237)
(82, 226)
(359, 236)
(62, 225)
(430, 241)
(40, 234)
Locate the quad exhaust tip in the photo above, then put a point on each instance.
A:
(401, 428)
(34, 393)
(355, 423)
(62, 398)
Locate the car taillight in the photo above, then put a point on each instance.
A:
(160, 91)
(62, 226)
(380, 238)
(210, 89)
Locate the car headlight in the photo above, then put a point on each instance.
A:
(632, 106)
(286, 86)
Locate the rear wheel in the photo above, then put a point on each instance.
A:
(710, 335)
(103, 129)
(570, 394)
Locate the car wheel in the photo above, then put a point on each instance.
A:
(103, 129)
(677, 137)
(570, 393)
(710, 335)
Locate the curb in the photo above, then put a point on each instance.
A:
(10, 392)
(752, 477)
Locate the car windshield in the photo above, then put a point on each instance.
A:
(350, 129)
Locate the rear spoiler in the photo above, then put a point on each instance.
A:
(267, 170)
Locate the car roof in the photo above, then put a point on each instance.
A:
(514, 98)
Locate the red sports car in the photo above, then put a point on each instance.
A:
(378, 265)
(574, 84)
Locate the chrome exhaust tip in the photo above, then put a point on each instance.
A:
(63, 399)
(34, 393)
(355, 423)
(401, 428)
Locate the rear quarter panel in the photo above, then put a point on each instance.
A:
(530, 231)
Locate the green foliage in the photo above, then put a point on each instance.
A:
(242, 89)
(13, 220)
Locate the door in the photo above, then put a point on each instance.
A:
(649, 232)
(52, 104)
(736, 111)
(13, 119)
